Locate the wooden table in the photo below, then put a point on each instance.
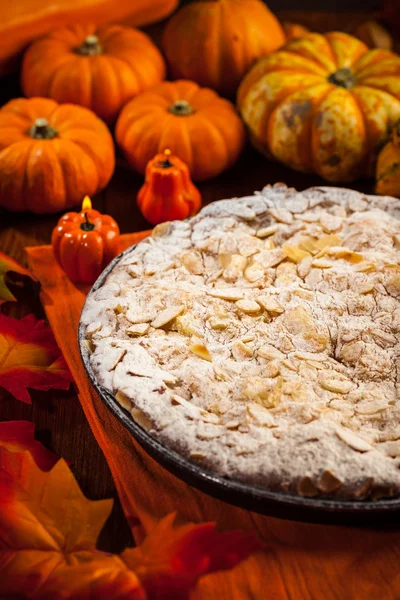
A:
(59, 419)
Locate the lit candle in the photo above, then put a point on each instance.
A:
(85, 242)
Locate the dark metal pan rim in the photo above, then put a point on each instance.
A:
(261, 500)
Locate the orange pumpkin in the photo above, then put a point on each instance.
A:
(216, 42)
(388, 166)
(51, 155)
(293, 30)
(322, 104)
(168, 193)
(201, 128)
(84, 243)
(21, 21)
(97, 68)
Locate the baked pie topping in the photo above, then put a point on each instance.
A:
(261, 339)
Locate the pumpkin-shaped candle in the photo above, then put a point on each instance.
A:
(168, 192)
(84, 243)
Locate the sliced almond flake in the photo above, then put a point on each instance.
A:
(134, 270)
(261, 415)
(232, 424)
(192, 260)
(176, 399)
(346, 254)
(269, 352)
(135, 316)
(295, 253)
(269, 245)
(209, 434)
(267, 231)
(94, 327)
(232, 294)
(328, 482)
(310, 356)
(166, 315)
(337, 386)
(114, 357)
(271, 370)
(353, 441)
(364, 288)
(292, 366)
(371, 407)
(330, 223)
(214, 276)
(315, 364)
(254, 272)
(281, 215)
(247, 338)
(270, 304)
(201, 351)
(142, 419)
(161, 229)
(197, 455)
(304, 266)
(209, 417)
(321, 263)
(138, 329)
(123, 400)
(305, 294)
(365, 267)
(241, 350)
(248, 306)
(306, 488)
(218, 323)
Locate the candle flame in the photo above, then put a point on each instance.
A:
(87, 203)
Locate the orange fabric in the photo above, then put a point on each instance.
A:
(300, 561)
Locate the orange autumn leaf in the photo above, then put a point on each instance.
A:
(17, 436)
(171, 559)
(48, 535)
(8, 264)
(30, 358)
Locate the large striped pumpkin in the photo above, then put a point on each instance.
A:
(322, 103)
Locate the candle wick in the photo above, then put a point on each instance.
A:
(87, 225)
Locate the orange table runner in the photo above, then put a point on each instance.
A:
(300, 561)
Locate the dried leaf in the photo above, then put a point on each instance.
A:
(17, 436)
(48, 534)
(30, 357)
(171, 559)
(9, 264)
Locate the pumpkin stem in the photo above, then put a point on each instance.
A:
(343, 78)
(181, 108)
(87, 225)
(42, 130)
(90, 46)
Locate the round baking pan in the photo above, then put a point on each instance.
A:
(385, 512)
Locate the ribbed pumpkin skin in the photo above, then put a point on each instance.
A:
(388, 166)
(50, 175)
(297, 116)
(22, 21)
(216, 42)
(209, 140)
(128, 64)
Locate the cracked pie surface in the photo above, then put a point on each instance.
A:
(261, 340)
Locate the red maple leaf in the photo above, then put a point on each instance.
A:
(48, 533)
(18, 436)
(30, 358)
(9, 264)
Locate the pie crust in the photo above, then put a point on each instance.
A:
(260, 339)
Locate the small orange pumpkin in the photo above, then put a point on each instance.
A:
(51, 155)
(201, 128)
(168, 193)
(388, 166)
(322, 103)
(293, 30)
(216, 42)
(84, 243)
(97, 68)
